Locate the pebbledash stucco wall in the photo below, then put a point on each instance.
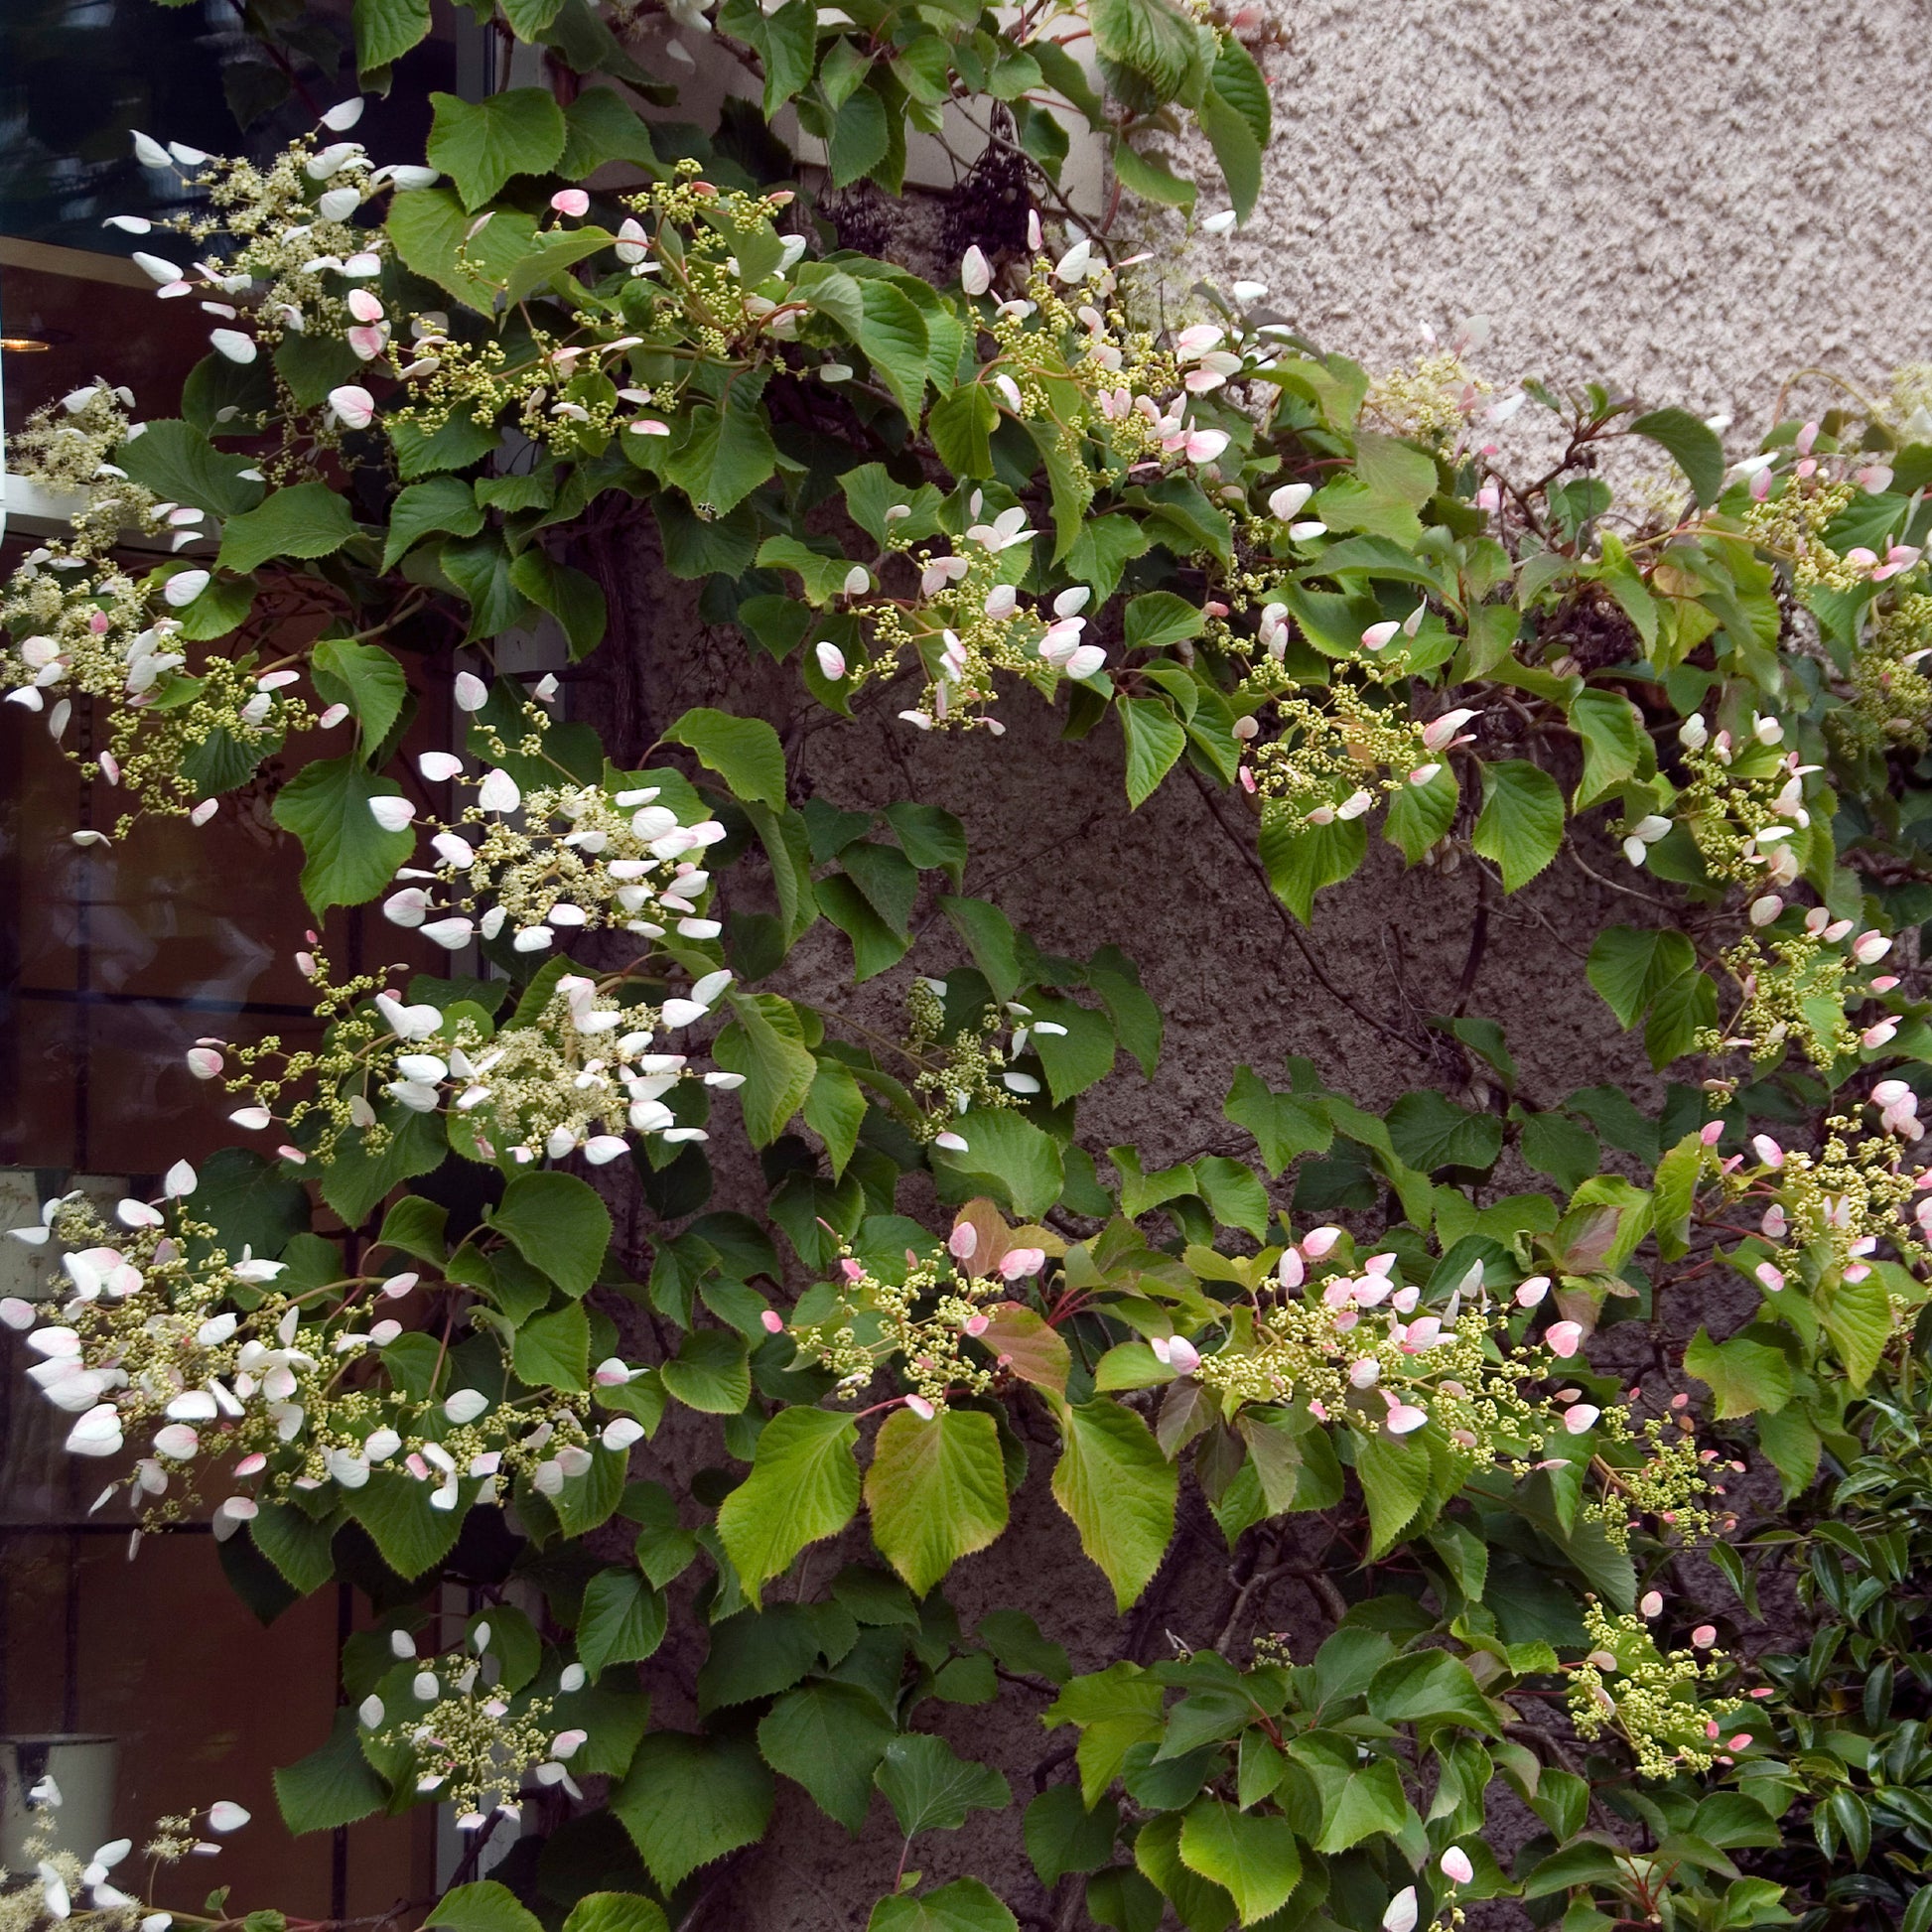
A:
(1691, 200)
(1690, 197)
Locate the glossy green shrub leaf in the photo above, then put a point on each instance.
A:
(1154, 739)
(1429, 1687)
(624, 1621)
(1063, 1835)
(430, 227)
(829, 1737)
(1615, 745)
(615, 1911)
(1745, 1373)
(554, 1349)
(484, 1907)
(306, 520)
(1629, 968)
(709, 1373)
(780, 1070)
(411, 1534)
(965, 1905)
(181, 466)
(990, 938)
(332, 1786)
(349, 857)
(1301, 860)
(743, 751)
(1007, 1156)
(1253, 1857)
(1395, 1478)
(1692, 443)
(1148, 39)
(1429, 1132)
(385, 30)
(726, 453)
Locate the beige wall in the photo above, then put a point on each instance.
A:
(1691, 196)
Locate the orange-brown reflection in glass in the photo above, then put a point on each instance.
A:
(205, 1700)
(104, 324)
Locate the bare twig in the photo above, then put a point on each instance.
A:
(1288, 922)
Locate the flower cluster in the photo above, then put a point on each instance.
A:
(1359, 1349)
(1795, 980)
(574, 1075)
(1892, 694)
(577, 858)
(1827, 1213)
(85, 630)
(1112, 400)
(470, 1743)
(1649, 1696)
(574, 1079)
(922, 1320)
(967, 1068)
(280, 255)
(284, 239)
(969, 622)
(1745, 803)
(1438, 397)
(214, 1360)
(1795, 502)
(696, 272)
(1332, 763)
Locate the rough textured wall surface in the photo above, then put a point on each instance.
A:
(1694, 198)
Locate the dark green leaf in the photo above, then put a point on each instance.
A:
(829, 1737)
(1629, 967)
(1282, 1125)
(930, 1787)
(1430, 1132)
(481, 144)
(483, 1907)
(743, 751)
(623, 1621)
(1005, 1156)
(1154, 738)
(331, 1787)
(367, 679)
(180, 465)
(686, 1801)
(349, 857)
(558, 1224)
(308, 519)
(1693, 445)
(437, 503)
(1521, 825)
(1063, 1836)
(385, 30)
(965, 1905)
